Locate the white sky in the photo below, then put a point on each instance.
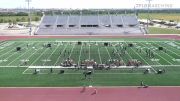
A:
(79, 4)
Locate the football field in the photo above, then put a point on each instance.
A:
(50, 56)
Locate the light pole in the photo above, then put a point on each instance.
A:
(148, 19)
(29, 17)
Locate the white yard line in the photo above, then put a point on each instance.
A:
(127, 53)
(72, 50)
(153, 69)
(108, 53)
(11, 56)
(140, 56)
(80, 56)
(81, 73)
(32, 54)
(51, 54)
(11, 50)
(38, 57)
(2, 42)
(60, 54)
(24, 72)
(143, 60)
(162, 57)
(99, 55)
(89, 51)
(166, 65)
(19, 57)
(93, 41)
(165, 53)
(169, 50)
(96, 86)
(11, 66)
(145, 53)
(6, 48)
(176, 42)
(28, 58)
(118, 53)
(52, 66)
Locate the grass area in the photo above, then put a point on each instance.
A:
(14, 77)
(155, 30)
(165, 16)
(34, 52)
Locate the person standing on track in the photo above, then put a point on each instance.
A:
(83, 89)
(95, 91)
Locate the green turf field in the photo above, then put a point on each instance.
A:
(155, 30)
(164, 16)
(14, 71)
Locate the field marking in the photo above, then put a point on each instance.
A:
(79, 60)
(32, 54)
(8, 47)
(24, 72)
(94, 86)
(82, 73)
(118, 53)
(13, 54)
(145, 53)
(89, 51)
(162, 57)
(51, 54)
(3, 42)
(60, 54)
(143, 59)
(12, 66)
(140, 56)
(26, 52)
(92, 41)
(39, 57)
(99, 55)
(176, 42)
(164, 52)
(150, 65)
(18, 57)
(165, 65)
(72, 50)
(108, 53)
(11, 50)
(127, 52)
(159, 55)
(171, 50)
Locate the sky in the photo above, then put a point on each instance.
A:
(88, 4)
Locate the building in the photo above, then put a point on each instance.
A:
(89, 25)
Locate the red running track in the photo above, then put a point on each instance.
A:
(175, 37)
(80, 94)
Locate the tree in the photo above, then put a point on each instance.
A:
(39, 14)
(1, 20)
(22, 14)
(14, 22)
(5, 21)
(10, 22)
(23, 19)
(17, 19)
(37, 19)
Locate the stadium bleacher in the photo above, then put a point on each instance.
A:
(89, 25)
